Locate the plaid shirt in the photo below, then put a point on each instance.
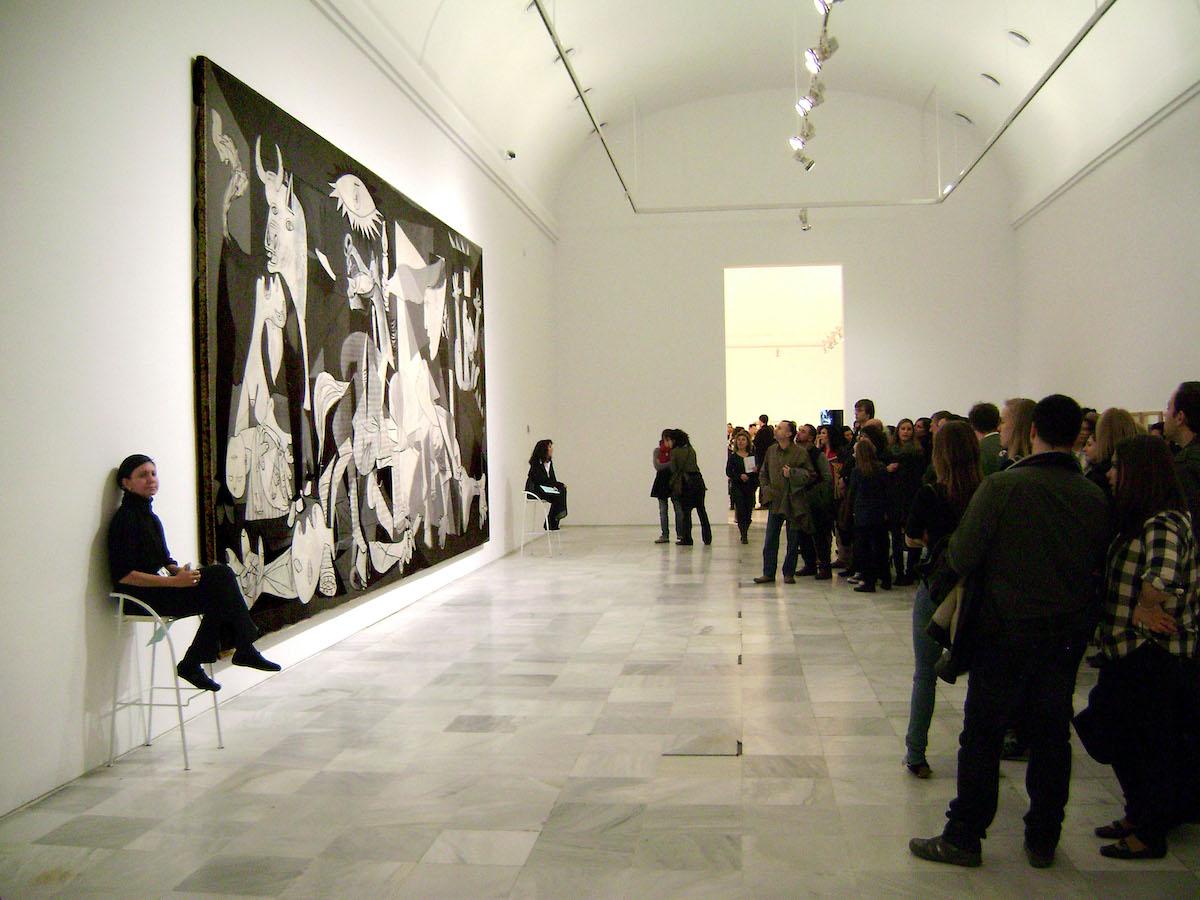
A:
(1165, 557)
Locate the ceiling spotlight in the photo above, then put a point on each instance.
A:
(815, 97)
(804, 161)
(804, 226)
(965, 118)
(815, 57)
(807, 132)
(823, 6)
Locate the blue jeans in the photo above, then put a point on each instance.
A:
(926, 653)
(771, 546)
(663, 519)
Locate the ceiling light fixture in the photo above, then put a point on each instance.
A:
(824, 6)
(814, 98)
(965, 118)
(1019, 38)
(804, 226)
(804, 161)
(815, 57)
(807, 132)
(989, 77)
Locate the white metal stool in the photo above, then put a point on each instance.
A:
(539, 509)
(162, 631)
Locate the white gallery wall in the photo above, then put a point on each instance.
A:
(1110, 275)
(96, 327)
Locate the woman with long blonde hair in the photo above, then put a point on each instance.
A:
(1114, 426)
(1016, 420)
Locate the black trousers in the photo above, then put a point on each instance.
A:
(218, 601)
(1149, 706)
(815, 547)
(558, 503)
(1023, 670)
(871, 554)
(904, 558)
(683, 518)
(743, 503)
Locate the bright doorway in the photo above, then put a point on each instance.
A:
(784, 350)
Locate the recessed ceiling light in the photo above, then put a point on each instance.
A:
(965, 118)
(1019, 38)
(989, 77)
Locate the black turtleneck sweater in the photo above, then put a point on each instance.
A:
(136, 542)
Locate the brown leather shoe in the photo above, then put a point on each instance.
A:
(764, 579)
(789, 579)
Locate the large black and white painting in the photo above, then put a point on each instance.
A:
(339, 365)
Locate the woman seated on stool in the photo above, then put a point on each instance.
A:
(142, 567)
(542, 483)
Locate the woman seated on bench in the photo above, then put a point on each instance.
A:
(142, 567)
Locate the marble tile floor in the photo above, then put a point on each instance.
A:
(570, 727)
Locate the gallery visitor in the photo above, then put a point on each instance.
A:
(142, 566)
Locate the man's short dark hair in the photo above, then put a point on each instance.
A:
(790, 424)
(763, 418)
(1058, 419)
(984, 417)
(940, 414)
(868, 405)
(1187, 401)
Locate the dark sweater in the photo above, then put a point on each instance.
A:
(1187, 469)
(869, 498)
(1035, 532)
(136, 542)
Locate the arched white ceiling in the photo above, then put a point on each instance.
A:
(489, 70)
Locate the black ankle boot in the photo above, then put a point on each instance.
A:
(193, 673)
(252, 659)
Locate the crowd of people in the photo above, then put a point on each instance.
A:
(1053, 534)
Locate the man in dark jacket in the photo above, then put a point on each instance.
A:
(1181, 426)
(1033, 535)
(985, 419)
(815, 547)
(764, 439)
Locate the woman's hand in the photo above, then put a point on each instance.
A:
(185, 576)
(787, 471)
(1154, 619)
(892, 467)
(745, 477)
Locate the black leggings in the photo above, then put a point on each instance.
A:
(743, 503)
(216, 598)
